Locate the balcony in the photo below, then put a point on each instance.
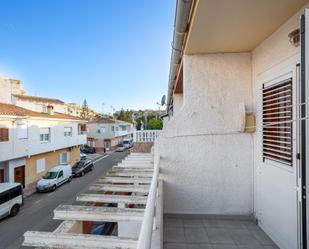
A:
(135, 187)
(121, 133)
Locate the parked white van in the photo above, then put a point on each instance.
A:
(55, 177)
(11, 198)
(128, 142)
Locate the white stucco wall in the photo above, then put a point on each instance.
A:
(177, 102)
(206, 160)
(7, 88)
(92, 130)
(16, 148)
(37, 106)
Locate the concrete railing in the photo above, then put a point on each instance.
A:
(146, 135)
(153, 213)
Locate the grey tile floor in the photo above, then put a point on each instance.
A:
(213, 232)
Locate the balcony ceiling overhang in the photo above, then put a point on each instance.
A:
(237, 25)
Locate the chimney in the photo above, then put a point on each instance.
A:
(50, 110)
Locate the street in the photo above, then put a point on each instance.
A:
(37, 212)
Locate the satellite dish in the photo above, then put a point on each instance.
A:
(163, 100)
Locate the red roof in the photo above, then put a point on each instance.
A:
(40, 99)
(13, 110)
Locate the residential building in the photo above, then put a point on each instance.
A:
(76, 110)
(33, 142)
(106, 133)
(12, 92)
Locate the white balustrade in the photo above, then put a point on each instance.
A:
(146, 135)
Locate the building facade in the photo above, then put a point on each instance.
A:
(38, 104)
(33, 142)
(107, 133)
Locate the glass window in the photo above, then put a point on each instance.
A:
(64, 158)
(60, 174)
(44, 134)
(68, 131)
(50, 175)
(40, 165)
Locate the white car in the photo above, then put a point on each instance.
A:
(55, 177)
(121, 148)
(11, 199)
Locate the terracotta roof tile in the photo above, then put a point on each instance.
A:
(105, 120)
(41, 99)
(13, 110)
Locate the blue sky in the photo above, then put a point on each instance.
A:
(114, 52)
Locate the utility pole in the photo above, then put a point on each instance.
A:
(103, 104)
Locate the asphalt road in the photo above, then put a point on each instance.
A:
(37, 212)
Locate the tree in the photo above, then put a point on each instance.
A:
(124, 115)
(85, 110)
(155, 124)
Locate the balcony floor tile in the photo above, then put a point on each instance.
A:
(196, 235)
(213, 232)
(174, 234)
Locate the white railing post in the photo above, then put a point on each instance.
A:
(146, 135)
(144, 239)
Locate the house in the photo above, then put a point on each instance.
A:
(235, 139)
(12, 92)
(33, 142)
(107, 133)
(76, 110)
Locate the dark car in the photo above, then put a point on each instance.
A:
(87, 149)
(82, 167)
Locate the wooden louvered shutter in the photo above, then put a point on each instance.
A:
(4, 134)
(277, 122)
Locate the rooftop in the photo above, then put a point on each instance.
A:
(13, 110)
(107, 120)
(38, 99)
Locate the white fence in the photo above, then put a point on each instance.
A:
(153, 215)
(146, 135)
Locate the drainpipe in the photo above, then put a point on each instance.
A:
(183, 10)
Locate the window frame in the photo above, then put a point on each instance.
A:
(46, 139)
(18, 128)
(61, 161)
(68, 131)
(40, 165)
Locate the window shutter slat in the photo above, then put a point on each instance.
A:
(4, 134)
